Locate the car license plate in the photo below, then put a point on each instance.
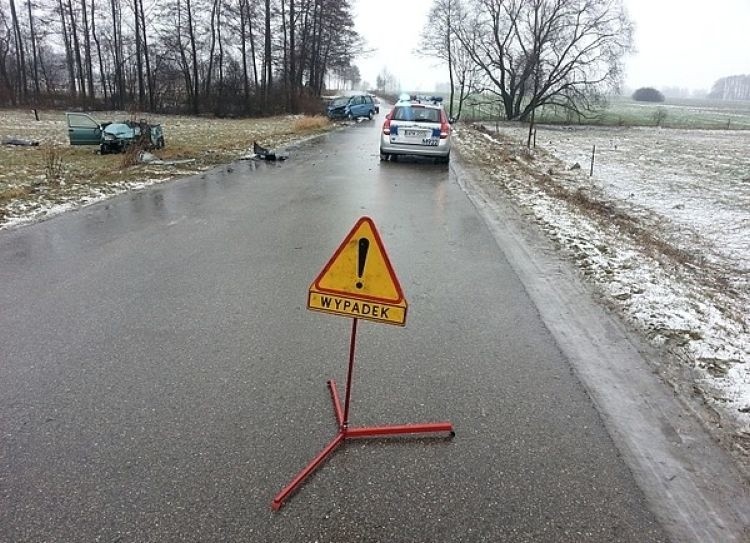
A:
(413, 133)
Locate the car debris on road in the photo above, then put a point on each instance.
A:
(20, 142)
(144, 157)
(261, 153)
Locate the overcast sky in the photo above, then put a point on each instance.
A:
(679, 43)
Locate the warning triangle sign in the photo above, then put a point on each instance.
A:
(359, 281)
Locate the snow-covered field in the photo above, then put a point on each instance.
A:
(662, 231)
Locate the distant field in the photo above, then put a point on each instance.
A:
(621, 111)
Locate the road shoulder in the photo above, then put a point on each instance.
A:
(693, 485)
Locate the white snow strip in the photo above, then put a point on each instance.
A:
(687, 189)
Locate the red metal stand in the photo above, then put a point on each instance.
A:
(344, 433)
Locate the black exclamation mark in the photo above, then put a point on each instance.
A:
(364, 245)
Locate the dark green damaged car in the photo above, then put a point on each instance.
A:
(113, 137)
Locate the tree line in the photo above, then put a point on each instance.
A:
(227, 57)
(734, 87)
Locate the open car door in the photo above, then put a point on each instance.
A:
(83, 129)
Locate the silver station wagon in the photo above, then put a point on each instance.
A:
(416, 127)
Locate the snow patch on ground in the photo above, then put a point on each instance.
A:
(662, 230)
(27, 211)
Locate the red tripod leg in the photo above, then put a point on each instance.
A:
(377, 431)
(278, 501)
(336, 403)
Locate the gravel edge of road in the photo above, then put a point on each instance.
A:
(692, 484)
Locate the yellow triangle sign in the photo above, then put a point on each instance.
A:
(358, 281)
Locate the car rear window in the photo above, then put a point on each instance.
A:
(416, 113)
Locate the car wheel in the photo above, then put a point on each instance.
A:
(384, 157)
(350, 116)
(369, 115)
(160, 143)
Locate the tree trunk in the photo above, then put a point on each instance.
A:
(146, 57)
(243, 49)
(102, 76)
(267, 74)
(77, 52)
(303, 49)
(68, 50)
(139, 55)
(5, 77)
(292, 60)
(194, 53)
(185, 63)
(221, 52)
(315, 47)
(285, 49)
(119, 101)
(209, 71)
(87, 50)
(35, 64)
(20, 57)
(253, 54)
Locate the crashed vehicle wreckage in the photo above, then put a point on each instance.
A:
(113, 137)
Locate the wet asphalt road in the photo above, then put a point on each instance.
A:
(161, 379)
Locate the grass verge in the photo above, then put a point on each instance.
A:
(34, 178)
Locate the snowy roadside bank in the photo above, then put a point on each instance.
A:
(662, 242)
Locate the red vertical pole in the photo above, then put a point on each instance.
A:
(349, 375)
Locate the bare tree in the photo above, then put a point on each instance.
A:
(32, 37)
(20, 56)
(7, 92)
(439, 39)
(68, 48)
(88, 65)
(533, 53)
(76, 49)
(386, 81)
(119, 83)
(267, 62)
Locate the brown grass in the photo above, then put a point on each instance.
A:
(206, 140)
(12, 192)
(53, 164)
(310, 123)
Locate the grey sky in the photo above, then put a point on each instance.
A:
(680, 43)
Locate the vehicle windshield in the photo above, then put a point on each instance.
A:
(118, 129)
(340, 101)
(418, 114)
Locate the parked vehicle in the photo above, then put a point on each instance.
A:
(351, 107)
(376, 102)
(113, 137)
(417, 126)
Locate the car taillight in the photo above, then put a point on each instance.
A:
(387, 126)
(445, 130)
